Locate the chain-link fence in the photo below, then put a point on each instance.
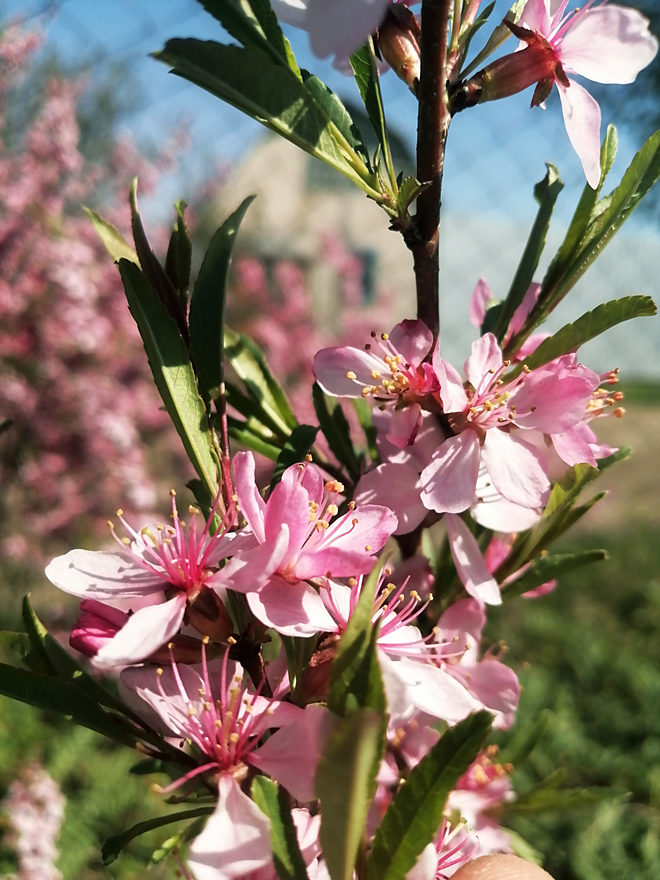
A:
(496, 153)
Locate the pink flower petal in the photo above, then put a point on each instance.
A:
(146, 630)
(449, 481)
(292, 753)
(331, 366)
(288, 503)
(252, 505)
(250, 570)
(291, 609)
(481, 296)
(339, 27)
(470, 564)
(486, 356)
(516, 469)
(412, 339)
(452, 393)
(235, 840)
(608, 44)
(100, 574)
(397, 487)
(582, 120)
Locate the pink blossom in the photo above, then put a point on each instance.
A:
(335, 27)
(158, 574)
(603, 43)
(391, 369)
(226, 724)
(484, 416)
(299, 538)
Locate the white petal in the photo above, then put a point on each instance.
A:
(146, 631)
(582, 120)
(100, 574)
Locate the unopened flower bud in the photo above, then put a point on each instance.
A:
(209, 616)
(398, 42)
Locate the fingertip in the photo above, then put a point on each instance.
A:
(501, 867)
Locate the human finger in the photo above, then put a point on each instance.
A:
(501, 867)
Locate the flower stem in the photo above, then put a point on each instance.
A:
(432, 126)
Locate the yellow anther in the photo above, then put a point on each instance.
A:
(351, 375)
(374, 375)
(384, 336)
(119, 512)
(333, 510)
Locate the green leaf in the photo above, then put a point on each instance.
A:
(545, 193)
(344, 784)
(253, 439)
(153, 272)
(367, 80)
(179, 254)
(273, 96)
(254, 24)
(207, 304)
(272, 801)
(115, 844)
(172, 372)
(294, 450)
(112, 240)
(269, 402)
(545, 800)
(17, 645)
(415, 813)
(549, 567)
(336, 112)
(355, 675)
(585, 241)
(336, 430)
(588, 326)
(65, 698)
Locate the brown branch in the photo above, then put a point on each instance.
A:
(432, 126)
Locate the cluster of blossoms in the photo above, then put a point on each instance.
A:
(213, 590)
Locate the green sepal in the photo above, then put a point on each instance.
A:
(207, 305)
(415, 813)
(336, 430)
(272, 801)
(179, 254)
(173, 373)
(345, 782)
(546, 193)
(113, 846)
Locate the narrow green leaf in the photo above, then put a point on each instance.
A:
(336, 430)
(254, 24)
(415, 813)
(153, 272)
(606, 217)
(112, 240)
(273, 96)
(552, 799)
(207, 305)
(545, 193)
(294, 450)
(17, 645)
(549, 567)
(115, 844)
(336, 111)
(179, 254)
(172, 372)
(588, 326)
(250, 366)
(272, 801)
(65, 698)
(344, 783)
(367, 80)
(355, 675)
